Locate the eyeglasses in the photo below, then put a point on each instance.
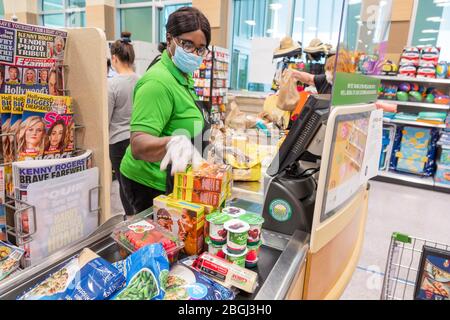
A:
(189, 47)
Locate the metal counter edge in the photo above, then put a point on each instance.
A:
(289, 263)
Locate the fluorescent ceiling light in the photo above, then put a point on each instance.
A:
(435, 19)
(359, 22)
(300, 19)
(358, 17)
(354, 2)
(250, 22)
(276, 6)
(430, 31)
(441, 1)
(426, 39)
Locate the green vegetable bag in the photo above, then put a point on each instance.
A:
(146, 272)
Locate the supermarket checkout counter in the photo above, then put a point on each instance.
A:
(280, 258)
(312, 263)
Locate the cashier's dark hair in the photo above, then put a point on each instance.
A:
(184, 20)
(123, 49)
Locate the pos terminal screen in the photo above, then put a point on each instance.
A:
(346, 161)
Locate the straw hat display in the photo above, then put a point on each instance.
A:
(288, 47)
(316, 46)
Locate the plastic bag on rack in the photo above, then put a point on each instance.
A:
(146, 272)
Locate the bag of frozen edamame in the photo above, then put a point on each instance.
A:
(146, 271)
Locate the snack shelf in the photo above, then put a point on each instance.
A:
(414, 123)
(409, 79)
(426, 181)
(442, 185)
(418, 104)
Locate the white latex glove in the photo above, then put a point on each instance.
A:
(180, 152)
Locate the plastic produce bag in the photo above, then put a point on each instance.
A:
(288, 96)
(84, 277)
(236, 119)
(146, 273)
(186, 283)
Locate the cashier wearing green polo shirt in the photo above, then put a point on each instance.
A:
(166, 115)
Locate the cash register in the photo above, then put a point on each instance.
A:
(289, 183)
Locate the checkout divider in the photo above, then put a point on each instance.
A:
(303, 265)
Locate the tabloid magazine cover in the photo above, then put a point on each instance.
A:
(47, 128)
(33, 171)
(31, 59)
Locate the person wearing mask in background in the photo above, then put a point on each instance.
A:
(120, 95)
(322, 82)
(167, 116)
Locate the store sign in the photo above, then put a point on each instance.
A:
(280, 210)
(354, 88)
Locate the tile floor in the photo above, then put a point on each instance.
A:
(416, 212)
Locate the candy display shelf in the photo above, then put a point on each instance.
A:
(418, 104)
(415, 123)
(410, 79)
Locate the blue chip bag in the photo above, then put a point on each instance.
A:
(146, 271)
(84, 277)
(186, 283)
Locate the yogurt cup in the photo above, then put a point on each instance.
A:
(252, 257)
(217, 232)
(237, 234)
(214, 249)
(237, 259)
(255, 221)
(234, 212)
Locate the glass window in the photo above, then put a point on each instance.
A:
(2, 10)
(317, 19)
(77, 19)
(303, 20)
(48, 5)
(138, 21)
(133, 1)
(77, 3)
(53, 20)
(164, 16)
(432, 26)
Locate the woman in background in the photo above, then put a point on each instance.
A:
(120, 92)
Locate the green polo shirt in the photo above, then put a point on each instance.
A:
(163, 103)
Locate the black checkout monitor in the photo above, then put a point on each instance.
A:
(290, 195)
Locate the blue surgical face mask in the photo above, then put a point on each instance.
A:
(186, 62)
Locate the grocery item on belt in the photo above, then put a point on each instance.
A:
(9, 259)
(146, 273)
(186, 283)
(182, 218)
(214, 249)
(134, 235)
(217, 232)
(226, 273)
(85, 277)
(255, 221)
(233, 211)
(252, 257)
(236, 258)
(237, 235)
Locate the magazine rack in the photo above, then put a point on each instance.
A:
(85, 81)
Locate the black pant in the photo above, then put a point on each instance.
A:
(139, 197)
(116, 153)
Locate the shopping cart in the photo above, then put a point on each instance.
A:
(402, 265)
